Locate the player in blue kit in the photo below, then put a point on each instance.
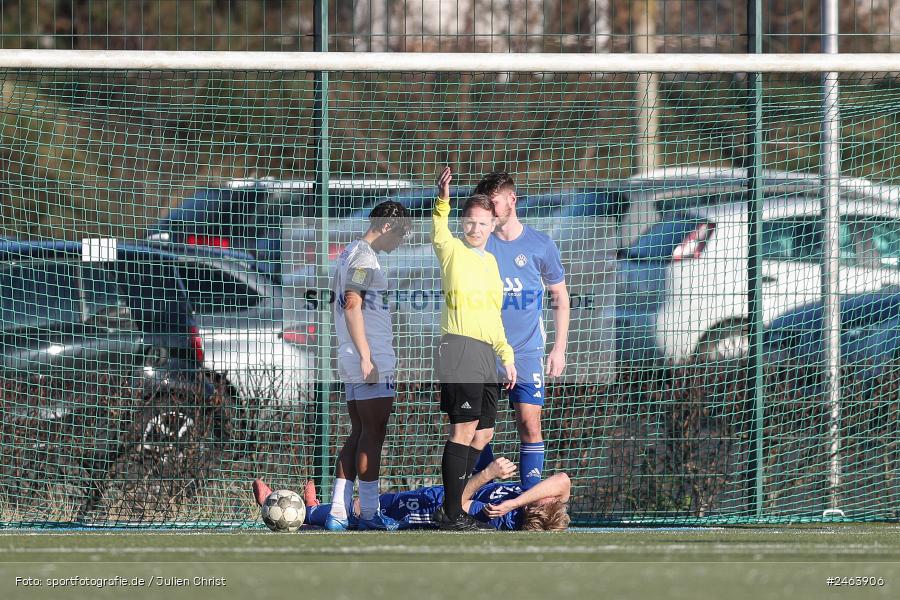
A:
(530, 268)
(498, 505)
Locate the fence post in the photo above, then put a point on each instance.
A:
(831, 172)
(322, 454)
(647, 97)
(755, 387)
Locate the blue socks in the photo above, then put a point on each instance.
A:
(531, 463)
(316, 515)
(486, 458)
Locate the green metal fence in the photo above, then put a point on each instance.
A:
(673, 427)
(683, 400)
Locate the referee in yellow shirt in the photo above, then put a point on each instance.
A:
(472, 338)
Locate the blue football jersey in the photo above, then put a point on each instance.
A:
(415, 508)
(495, 493)
(527, 265)
(412, 508)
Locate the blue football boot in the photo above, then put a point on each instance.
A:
(378, 522)
(333, 523)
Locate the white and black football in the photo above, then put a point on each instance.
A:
(283, 511)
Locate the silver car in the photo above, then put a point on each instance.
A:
(583, 223)
(682, 278)
(261, 350)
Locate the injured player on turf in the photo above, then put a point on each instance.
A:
(495, 504)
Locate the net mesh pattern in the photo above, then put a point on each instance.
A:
(167, 244)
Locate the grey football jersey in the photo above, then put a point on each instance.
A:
(358, 269)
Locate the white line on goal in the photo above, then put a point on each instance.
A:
(431, 62)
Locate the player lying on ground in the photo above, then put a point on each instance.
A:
(503, 506)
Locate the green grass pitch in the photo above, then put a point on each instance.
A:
(756, 563)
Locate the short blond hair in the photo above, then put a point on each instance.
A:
(549, 516)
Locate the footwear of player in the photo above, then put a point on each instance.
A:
(332, 523)
(480, 525)
(309, 494)
(261, 491)
(378, 522)
(463, 522)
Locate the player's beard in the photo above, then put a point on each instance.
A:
(503, 218)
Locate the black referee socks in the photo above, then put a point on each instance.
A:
(453, 471)
(474, 456)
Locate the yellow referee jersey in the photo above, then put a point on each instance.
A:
(473, 290)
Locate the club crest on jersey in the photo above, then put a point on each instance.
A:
(359, 276)
(521, 260)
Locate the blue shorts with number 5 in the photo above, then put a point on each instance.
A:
(529, 388)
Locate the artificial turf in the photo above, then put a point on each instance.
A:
(750, 562)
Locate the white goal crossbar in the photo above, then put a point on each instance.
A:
(461, 62)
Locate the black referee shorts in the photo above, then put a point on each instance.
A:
(470, 386)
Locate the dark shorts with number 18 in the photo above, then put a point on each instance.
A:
(470, 387)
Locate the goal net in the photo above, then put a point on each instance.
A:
(170, 223)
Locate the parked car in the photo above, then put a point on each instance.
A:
(562, 214)
(869, 339)
(682, 281)
(111, 347)
(248, 215)
(646, 194)
(262, 348)
(582, 221)
(127, 315)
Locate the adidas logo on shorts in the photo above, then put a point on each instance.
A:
(466, 405)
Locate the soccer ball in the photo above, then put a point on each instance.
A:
(283, 510)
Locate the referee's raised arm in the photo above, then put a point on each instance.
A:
(441, 238)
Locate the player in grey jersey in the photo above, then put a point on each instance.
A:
(366, 364)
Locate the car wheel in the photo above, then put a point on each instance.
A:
(726, 343)
(173, 446)
(175, 428)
